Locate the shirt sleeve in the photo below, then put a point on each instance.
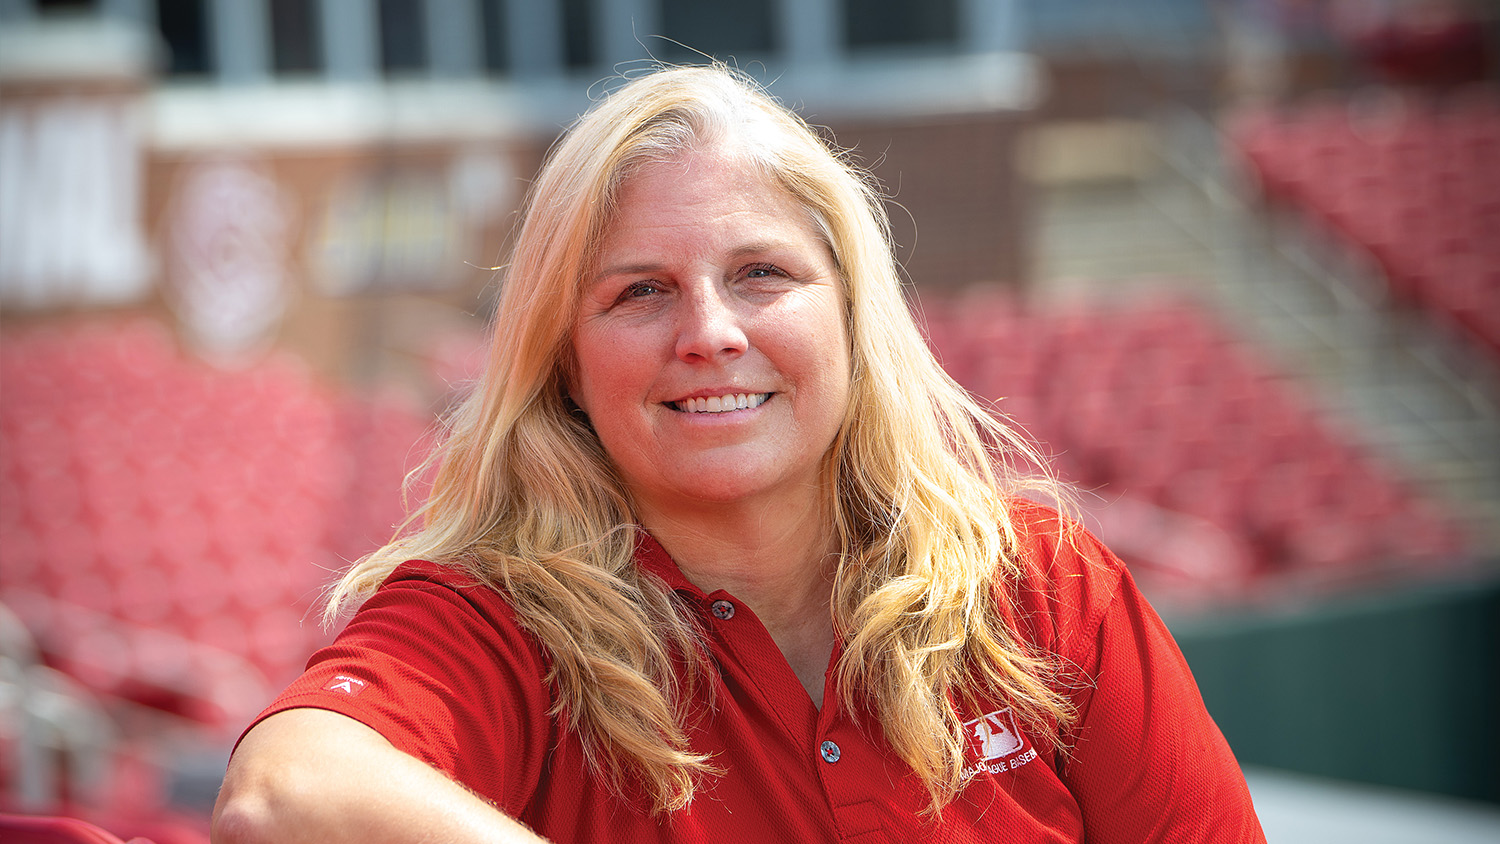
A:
(445, 675)
(1147, 763)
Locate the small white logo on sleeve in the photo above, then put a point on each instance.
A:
(350, 686)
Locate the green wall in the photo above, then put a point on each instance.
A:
(1399, 687)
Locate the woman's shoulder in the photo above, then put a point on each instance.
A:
(430, 575)
(445, 599)
(1065, 578)
(429, 571)
(1058, 539)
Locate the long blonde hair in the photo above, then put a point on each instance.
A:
(525, 499)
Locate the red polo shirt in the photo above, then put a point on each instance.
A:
(439, 667)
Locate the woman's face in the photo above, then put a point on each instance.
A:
(710, 347)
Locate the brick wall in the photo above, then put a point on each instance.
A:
(959, 210)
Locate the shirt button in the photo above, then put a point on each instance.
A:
(722, 610)
(830, 752)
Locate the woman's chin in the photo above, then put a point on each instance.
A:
(725, 486)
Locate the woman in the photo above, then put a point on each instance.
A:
(716, 549)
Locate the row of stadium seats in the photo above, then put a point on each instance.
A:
(1411, 181)
(1155, 399)
(169, 527)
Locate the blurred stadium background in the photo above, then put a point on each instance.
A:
(1235, 264)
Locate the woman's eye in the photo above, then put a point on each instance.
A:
(640, 289)
(763, 271)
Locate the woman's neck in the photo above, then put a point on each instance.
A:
(763, 555)
(778, 560)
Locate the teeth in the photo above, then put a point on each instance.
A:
(721, 404)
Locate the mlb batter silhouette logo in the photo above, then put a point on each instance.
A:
(993, 736)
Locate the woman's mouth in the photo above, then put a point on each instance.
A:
(719, 404)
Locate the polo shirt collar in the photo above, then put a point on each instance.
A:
(654, 559)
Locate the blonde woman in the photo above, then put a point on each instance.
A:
(717, 552)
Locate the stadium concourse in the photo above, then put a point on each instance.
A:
(169, 526)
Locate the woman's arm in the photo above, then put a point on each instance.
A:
(1148, 762)
(318, 776)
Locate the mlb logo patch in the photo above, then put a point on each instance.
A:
(993, 736)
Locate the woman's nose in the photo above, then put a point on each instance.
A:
(709, 327)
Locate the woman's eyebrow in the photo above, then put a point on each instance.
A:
(759, 247)
(625, 269)
(653, 267)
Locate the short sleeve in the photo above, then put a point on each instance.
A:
(1147, 763)
(442, 672)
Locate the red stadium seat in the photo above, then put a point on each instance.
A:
(1158, 400)
(142, 493)
(28, 829)
(1415, 187)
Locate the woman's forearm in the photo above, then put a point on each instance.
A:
(317, 776)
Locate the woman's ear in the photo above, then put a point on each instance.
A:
(573, 409)
(567, 380)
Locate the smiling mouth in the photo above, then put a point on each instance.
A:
(719, 404)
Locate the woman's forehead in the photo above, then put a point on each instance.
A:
(697, 189)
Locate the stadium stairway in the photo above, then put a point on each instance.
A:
(1186, 215)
